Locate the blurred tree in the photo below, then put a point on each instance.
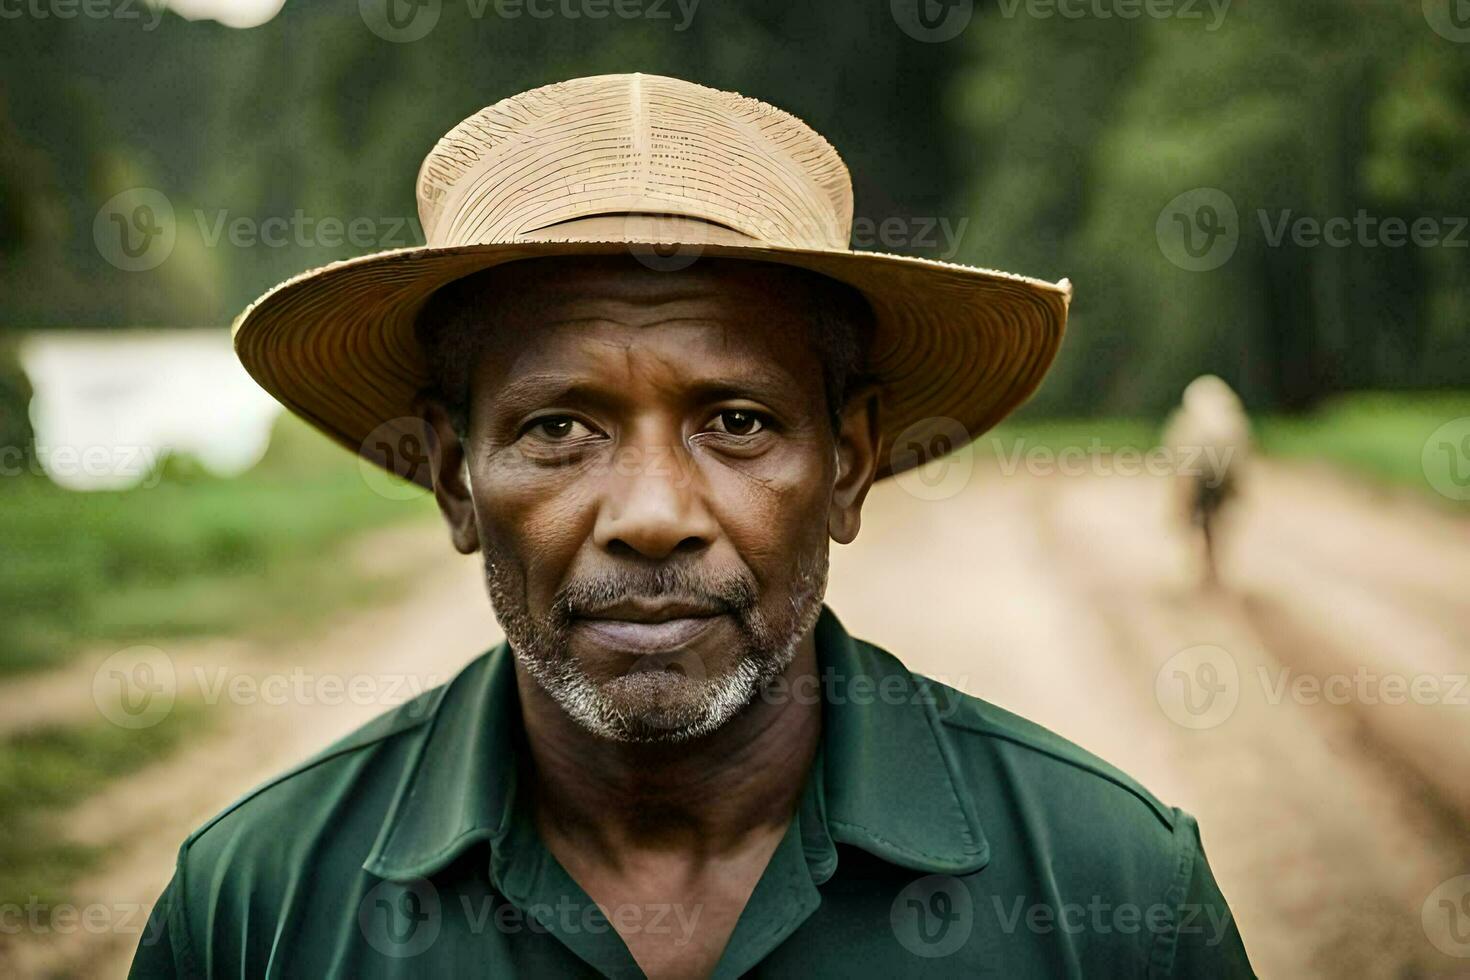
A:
(1319, 109)
(1049, 144)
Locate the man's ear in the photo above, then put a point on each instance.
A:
(858, 441)
(451, 479)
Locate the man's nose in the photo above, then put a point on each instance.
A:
(653, 506)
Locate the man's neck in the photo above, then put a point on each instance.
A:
(702, 797)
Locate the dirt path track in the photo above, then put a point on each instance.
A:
(1064, 599)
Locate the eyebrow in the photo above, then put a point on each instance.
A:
(528, 390)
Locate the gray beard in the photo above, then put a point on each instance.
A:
(666, 697)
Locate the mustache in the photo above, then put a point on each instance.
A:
(732, 593)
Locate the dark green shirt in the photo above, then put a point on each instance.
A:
(937, 835)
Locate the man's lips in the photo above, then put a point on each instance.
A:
(638, 626)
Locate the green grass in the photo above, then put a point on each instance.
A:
(44, 771)
(261, 554)
(1377, 435)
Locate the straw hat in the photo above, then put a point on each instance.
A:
(670, 171)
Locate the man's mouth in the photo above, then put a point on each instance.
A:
(646, 626)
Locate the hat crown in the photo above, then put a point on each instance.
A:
(633, 144)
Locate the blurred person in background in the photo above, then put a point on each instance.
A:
(1209, 438)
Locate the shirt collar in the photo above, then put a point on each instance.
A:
(885, 781)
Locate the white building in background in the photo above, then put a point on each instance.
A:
(109, 406)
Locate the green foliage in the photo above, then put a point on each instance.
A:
(1377, 435)
(16, 437)
(193, 554)
(1319, 108)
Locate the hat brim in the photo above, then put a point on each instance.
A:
(955, 348)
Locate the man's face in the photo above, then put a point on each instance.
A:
(652, 478)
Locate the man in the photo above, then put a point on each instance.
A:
(654, 384)
(1209, 436)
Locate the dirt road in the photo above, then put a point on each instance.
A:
(1282, 711)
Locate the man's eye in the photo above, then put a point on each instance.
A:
(738, 422)
(556, 428)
